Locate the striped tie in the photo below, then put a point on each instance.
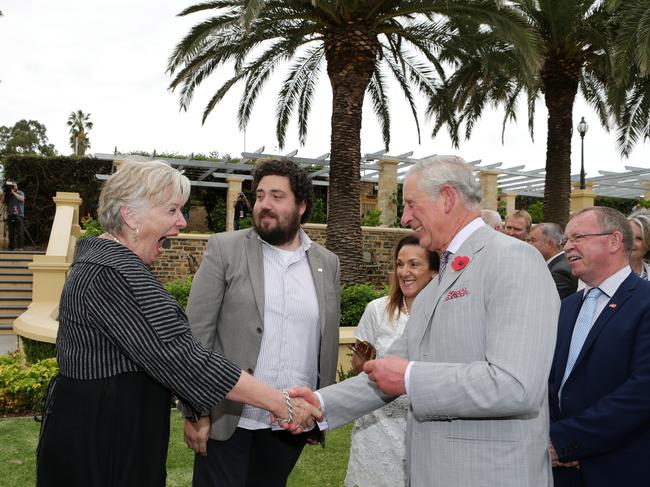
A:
(444, 259)
(581, 330)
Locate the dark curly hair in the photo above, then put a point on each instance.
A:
(299, 181)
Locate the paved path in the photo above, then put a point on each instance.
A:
(8, 343)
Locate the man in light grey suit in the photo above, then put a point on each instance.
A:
(477, 351)
(268, 299)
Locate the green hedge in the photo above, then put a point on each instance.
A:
(180, 290)
(35, 351)
(354, 299)
(41, 177)
(22, 387)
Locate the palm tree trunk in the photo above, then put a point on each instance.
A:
(560, 79)
(349, 69)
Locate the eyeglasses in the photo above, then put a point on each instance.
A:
(579, 237)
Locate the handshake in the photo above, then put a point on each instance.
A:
(298, 408)
(387, 374)
(303, 410)
(295, 409)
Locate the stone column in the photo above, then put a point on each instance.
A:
(50, 271)
(489, 193)
(582, 198)
(386, 192)
(510, 203)
(234, 188)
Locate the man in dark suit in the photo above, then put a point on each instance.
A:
(599, 387)
(546, 238)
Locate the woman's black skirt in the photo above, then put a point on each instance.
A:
(104, 432)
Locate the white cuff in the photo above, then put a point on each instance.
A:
(407, 377)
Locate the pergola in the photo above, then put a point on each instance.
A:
(385, 172)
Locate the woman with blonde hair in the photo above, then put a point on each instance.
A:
(124, 347)
(377, 452)
(640, 223)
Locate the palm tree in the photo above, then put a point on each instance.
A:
(631, 94)
(79, 123)
(363, 43)
(575, 44)
(633, 33)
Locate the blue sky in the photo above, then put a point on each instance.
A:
(108, 58)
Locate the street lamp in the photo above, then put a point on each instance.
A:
(582, 130)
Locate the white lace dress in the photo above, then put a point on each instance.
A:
(377, 452)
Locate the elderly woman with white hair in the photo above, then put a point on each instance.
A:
(124, 347)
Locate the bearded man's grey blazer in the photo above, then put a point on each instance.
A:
(482, 342)
(226, 310)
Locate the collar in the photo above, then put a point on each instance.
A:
(610, 285)
(305, 242)
(548, 261)
(465, 232)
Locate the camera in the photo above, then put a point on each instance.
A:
(7, 187)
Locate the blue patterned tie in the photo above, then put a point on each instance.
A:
(581, 330)
(444, 259)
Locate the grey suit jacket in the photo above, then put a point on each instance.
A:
(481, 342)
(226, 309)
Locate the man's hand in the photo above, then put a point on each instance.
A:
(388, 374)
(555, 460)
(196, 435)
(306, 393)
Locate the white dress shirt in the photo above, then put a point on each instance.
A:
(291, 339)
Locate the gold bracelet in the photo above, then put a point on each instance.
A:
(287, 400)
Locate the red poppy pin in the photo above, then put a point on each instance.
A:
(460, 262)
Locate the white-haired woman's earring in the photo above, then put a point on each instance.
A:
(136, 234)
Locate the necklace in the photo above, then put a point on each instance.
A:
(406, 308)
(112, 237)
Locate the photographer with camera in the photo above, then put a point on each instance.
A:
(14, 199)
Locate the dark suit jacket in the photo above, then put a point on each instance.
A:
(604, 419)
(565, 282)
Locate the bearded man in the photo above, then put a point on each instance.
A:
(268, 299)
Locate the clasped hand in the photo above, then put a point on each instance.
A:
(305, 414)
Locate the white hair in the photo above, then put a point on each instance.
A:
(137, 185)
(451, 170)
(492, 218)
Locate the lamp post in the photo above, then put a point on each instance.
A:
(582, 130)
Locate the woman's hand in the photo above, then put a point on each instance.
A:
(303, 415)
(196, 435)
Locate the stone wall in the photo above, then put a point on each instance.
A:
(185, 252)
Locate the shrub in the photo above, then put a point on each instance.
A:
(354, 299)
(180, 290)
(245, 222)
(318, 212)
(536, 211)
(371, 218)
(22, 387)
(91, 226)
(41, 177)
(35, 351)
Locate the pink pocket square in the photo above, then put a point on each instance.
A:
(458, 293)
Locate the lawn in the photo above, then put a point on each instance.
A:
(316, 467)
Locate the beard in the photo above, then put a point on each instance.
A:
(284, 230)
